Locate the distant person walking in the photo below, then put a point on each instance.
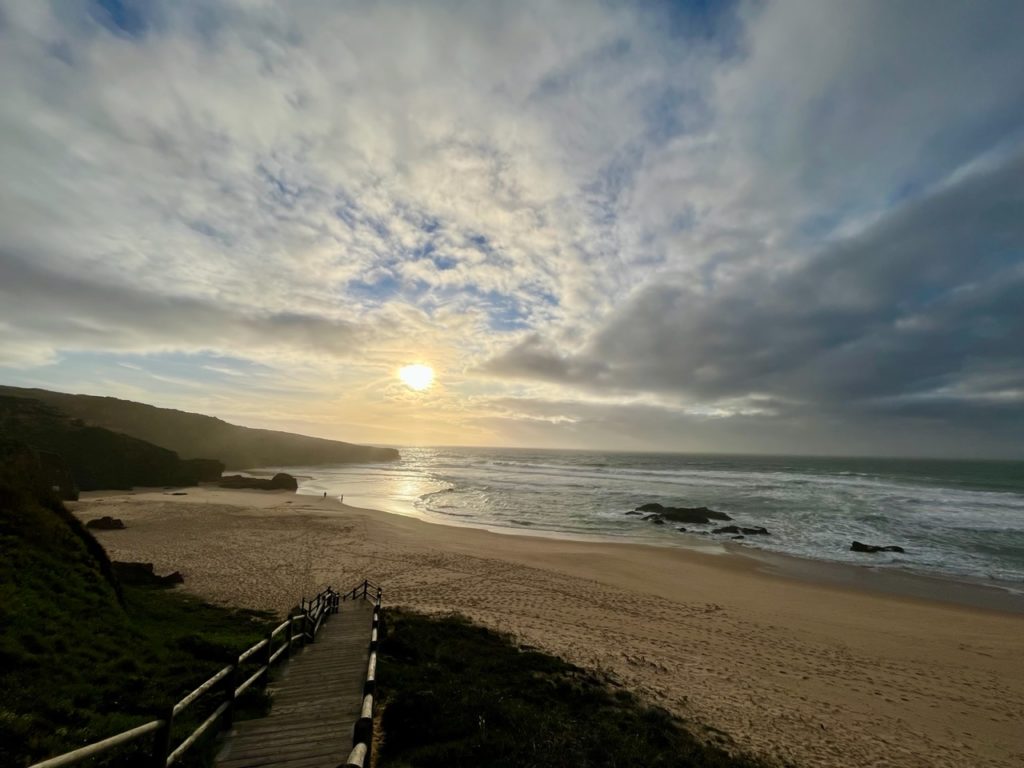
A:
(325, 494)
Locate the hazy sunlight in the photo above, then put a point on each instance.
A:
(417, 376)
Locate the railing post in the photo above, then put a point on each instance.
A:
(269, 653)
(289, 636)
(366, 586)
(231, 683)
(162, 740)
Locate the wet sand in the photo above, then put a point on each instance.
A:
(770, 655)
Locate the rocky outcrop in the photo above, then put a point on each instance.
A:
(106, 523)
(204, 470)
(736, 529)
(693, 515)
(871, 548)
(84, 456)
(282, 481)
(142, 574)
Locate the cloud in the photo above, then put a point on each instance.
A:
(931, 295)
(89, 314)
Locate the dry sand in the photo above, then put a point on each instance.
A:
(818, 675)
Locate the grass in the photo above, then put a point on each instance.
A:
(82, 658)
(457, 694)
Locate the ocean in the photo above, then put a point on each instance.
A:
(961, 519)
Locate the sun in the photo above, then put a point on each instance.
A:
(416, 376)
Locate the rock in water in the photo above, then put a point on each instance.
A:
(652, 507)
(694, 515)
(727, 529)
(759, 531)
(106, 523)
(871, 548)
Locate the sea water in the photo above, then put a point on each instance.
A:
(963, 519)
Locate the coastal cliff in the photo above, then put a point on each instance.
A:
(195, 436)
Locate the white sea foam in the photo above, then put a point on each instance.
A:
(957, 518)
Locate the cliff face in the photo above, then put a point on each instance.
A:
(94, 457)
(193, 435)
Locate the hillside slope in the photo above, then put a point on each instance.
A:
(193, 435)
(81, 656)
(98, 458)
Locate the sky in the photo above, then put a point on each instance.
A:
(766, 227)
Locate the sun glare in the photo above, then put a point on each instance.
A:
(416, 376)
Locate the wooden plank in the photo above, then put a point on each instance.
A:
(315, 701)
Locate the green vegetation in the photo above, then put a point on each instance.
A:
(96, 457)
(80, 659)
(193, 436)
(457, 694)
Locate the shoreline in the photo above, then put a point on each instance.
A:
(821, 674)
(893, 581)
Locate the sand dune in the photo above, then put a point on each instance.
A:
(819, 675)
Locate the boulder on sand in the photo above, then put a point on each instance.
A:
(106, 523)
(282, 481)
(871, 548)
(142, 574)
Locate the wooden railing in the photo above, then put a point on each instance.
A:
(362, 734)
(301, 627)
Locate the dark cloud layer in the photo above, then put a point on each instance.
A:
(925, 307)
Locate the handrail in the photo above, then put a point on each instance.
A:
(312, 616)
(68, 758)
(362, 733)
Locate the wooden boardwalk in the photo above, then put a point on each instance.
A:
(315, 701)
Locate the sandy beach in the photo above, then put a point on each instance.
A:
(813, 671)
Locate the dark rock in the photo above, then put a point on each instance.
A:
(652, 507)
(282, 481)
(634, 512)
(871, 548)
(759, 531)
(106, 523)
(142, 574)
(658, 521)
(680, 528)
(727, 529)
(694, 515)
(204, 470)
(652, 517)
(738, 537)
